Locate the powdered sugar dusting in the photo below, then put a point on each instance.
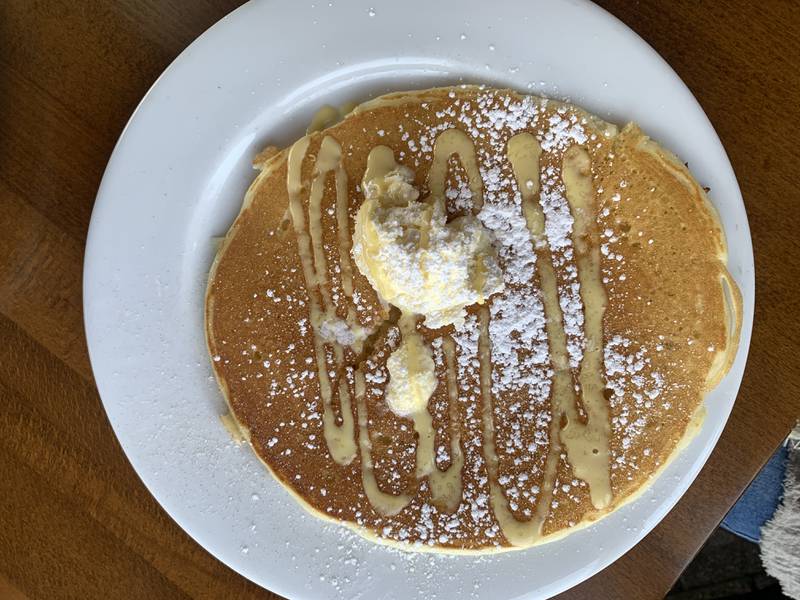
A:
(521, 371)
(558, 226)
(625, 365)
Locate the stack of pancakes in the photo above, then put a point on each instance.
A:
(556, 399)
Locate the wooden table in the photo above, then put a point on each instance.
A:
(75, 521)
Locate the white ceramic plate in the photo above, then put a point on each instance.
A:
(177, 177)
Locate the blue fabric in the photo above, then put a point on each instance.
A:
(759, 501)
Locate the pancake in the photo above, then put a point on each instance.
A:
(553, 401)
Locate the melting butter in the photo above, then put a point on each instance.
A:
(328, 159)
(385, 504)
(412, 379)
(455, 142)
(328, 116)
(447, 486)
(586, 443)
(340, 439)
(523, 153)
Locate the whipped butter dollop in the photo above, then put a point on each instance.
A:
(413, 257)
(412, 376)
(425, 266)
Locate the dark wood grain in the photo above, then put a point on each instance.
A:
(75, 521)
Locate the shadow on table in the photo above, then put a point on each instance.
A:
(726, 567)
